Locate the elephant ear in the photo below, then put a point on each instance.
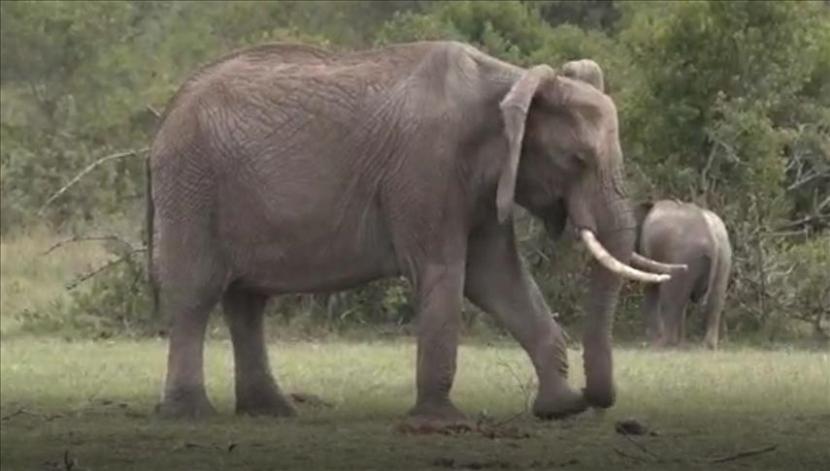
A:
(585, 70)
(514, 109)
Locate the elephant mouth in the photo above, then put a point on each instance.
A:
(612, 264)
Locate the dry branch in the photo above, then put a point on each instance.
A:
(154, 111)
(642, 447)
(744, 454)
(88, 169)
(525, 388)
(106, 266)
(88, 239)
(631, 457)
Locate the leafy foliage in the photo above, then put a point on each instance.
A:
(726, 104)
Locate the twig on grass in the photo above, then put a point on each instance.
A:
(744, 454)
(642, 447)
(14, 414)
(89, 168)
(626, 455)
(23, 411)
(509, 419)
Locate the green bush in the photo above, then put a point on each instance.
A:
(726, 104)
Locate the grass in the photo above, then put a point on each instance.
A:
(93, 401)
(87, 405)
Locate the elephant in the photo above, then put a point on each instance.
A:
(286, 168)
(676, 232)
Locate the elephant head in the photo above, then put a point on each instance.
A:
(565, 154)
(588, 71)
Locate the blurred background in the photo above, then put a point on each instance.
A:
(725, 104)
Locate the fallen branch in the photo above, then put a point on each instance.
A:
(642, 448)
(85, 171)
(626, 455)
(744, 454)
(509, 419)
(820, 220)
(23, 411)
(14, 414)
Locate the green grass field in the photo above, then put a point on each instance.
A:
(92, 402)
(87, 405)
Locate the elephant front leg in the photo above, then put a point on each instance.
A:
(499, 283)
(440, 296)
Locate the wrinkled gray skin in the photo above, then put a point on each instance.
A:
(683, 233)
(285, 168)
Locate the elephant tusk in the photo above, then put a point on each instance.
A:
(640, 261)
(608, 261)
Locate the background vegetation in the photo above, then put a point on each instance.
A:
(726, 104)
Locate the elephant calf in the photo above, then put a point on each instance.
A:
(682, 233)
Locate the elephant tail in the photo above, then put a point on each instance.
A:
(720, 265)
(149, 221)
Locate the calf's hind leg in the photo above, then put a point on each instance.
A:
(257, 393)
(674, 297)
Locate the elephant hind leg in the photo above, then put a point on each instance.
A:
(256, 390)
(712, 310)
(651, 314)
(674, 297)
(191, 280)
(440, 295)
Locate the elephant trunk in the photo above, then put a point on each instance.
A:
(604, 218)
(599, 306)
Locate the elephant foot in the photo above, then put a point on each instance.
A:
(602, 398)
(443, 418)
(563, 403)
(185, 404)
(264, 400)
(439, 411)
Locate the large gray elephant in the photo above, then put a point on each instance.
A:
(286, 168)
(675, 232)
